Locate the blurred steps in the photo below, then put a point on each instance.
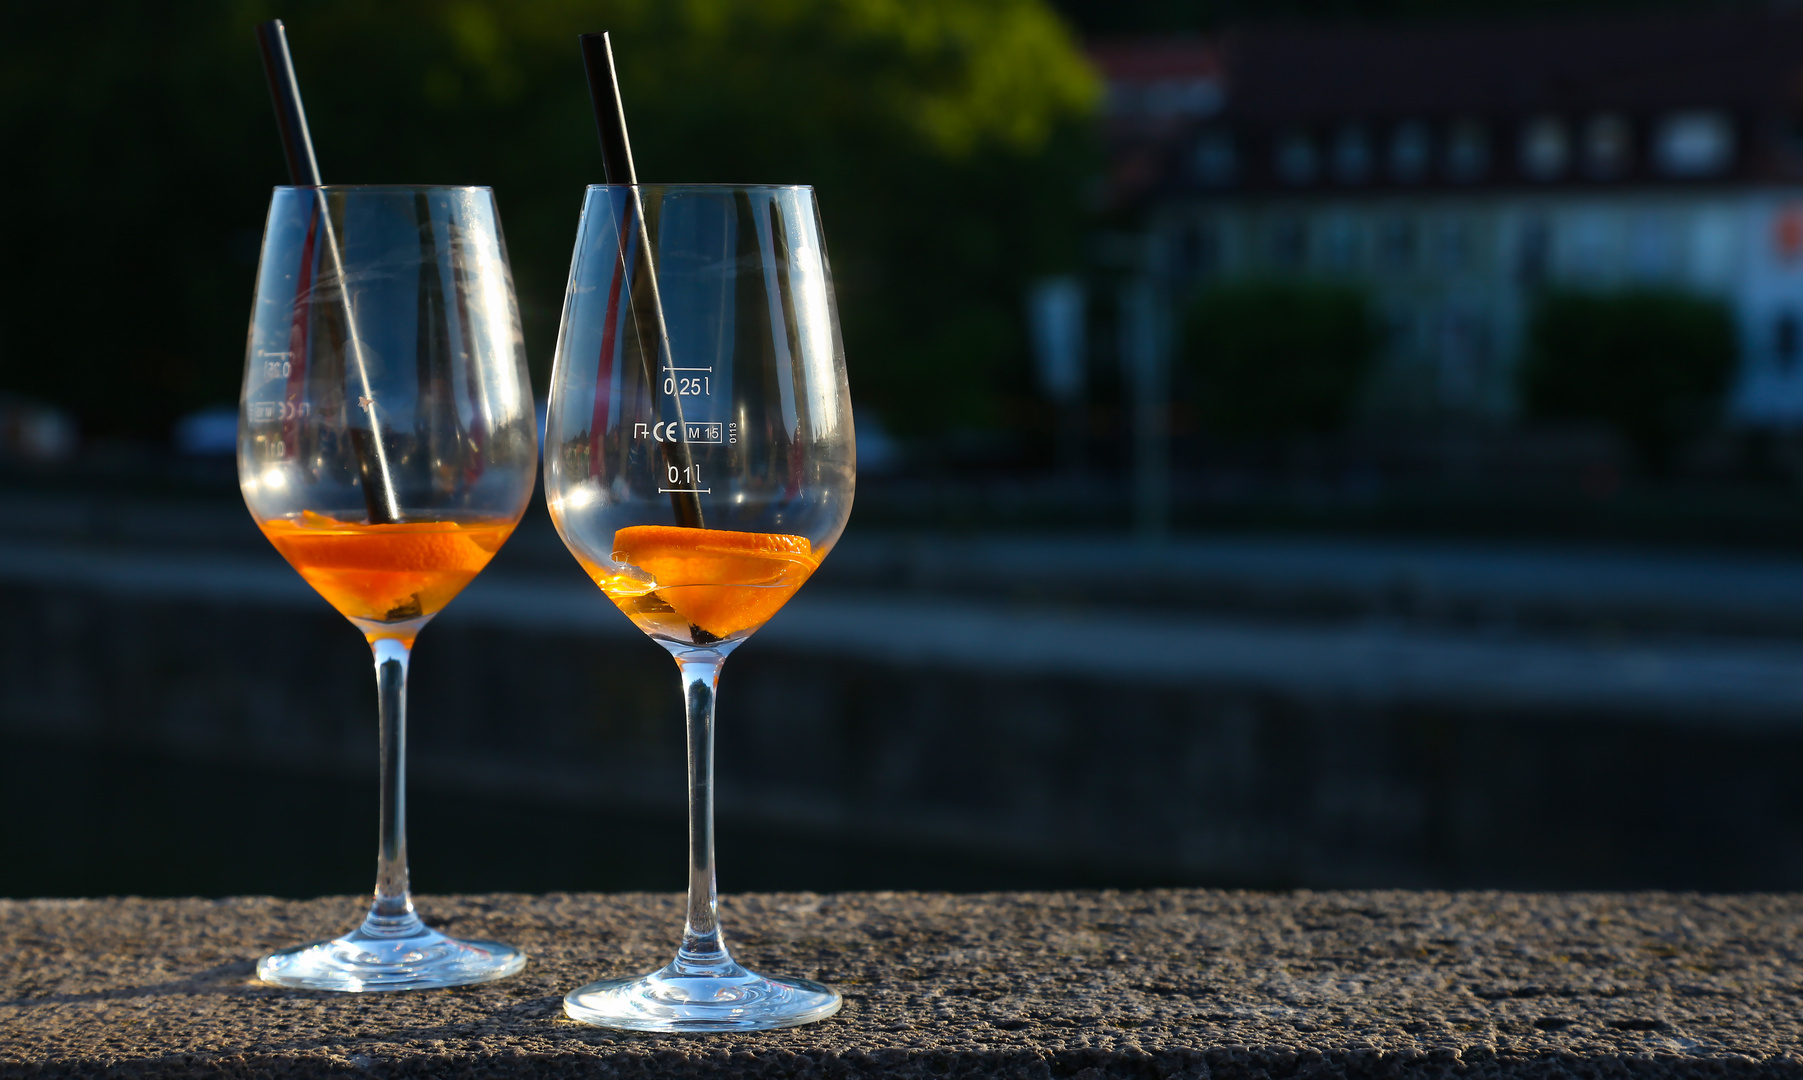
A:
(1600, 593)
(1250, 711)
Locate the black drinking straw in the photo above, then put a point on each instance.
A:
(284, 90)
(647, 305)
(610, 114)
(303, 171)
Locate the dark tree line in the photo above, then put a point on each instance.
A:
(949, 143)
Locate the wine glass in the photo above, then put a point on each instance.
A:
(699, 463)
(386, 447)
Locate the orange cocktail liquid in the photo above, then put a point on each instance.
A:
(702, 585)
(380, 574)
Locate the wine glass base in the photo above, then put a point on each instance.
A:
(734, 1000)
(359, 962)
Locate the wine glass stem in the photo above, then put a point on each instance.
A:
(702, 947)
(391, 914)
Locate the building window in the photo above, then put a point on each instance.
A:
(1464, 349)
(1340, 243)
(1215, 161)
(1545, 149)
(1289, 245)
(1787, 341)
(1467, 151)
(1713, 251)
(1533, 251)
(1181, 97)
(1165, 97)
(1652, 247)
(1455, 245)
(1592, 243)
(1608, 146)
(1401, 331)
(1790, 136)
(1295, 159)
(1698, 143)
(1352, 155)
(1195, 252)
(1409, 151)
(1398, 244)
(1787, 233)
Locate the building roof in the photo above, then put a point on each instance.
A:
(1271, 81)
(1733, 59)
(1146, 60)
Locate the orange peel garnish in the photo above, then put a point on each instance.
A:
(722, 581)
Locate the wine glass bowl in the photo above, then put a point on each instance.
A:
(387, 449)
(732, 415)
(699, 464)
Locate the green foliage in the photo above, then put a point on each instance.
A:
(948, 141)
(1278, 357)
(1651, 363)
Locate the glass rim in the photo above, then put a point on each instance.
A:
(383, 187)
(703, 187)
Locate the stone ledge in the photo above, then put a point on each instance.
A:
(1188, 983)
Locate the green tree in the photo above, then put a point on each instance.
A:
(948, 141)
(1278, 357)
(1651, 363)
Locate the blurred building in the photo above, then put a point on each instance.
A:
(1456, 169)
(33, 431)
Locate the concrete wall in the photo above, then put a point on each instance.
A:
(1022, 740)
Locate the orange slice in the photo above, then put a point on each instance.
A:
(416, 547)
(386, 573)
(724, 582)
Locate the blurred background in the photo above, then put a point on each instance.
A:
(1350, 444)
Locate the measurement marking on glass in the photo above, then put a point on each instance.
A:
(704, 432)
(688, 475)
(688, 385)
(280, 410)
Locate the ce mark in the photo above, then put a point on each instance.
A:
(677, 431)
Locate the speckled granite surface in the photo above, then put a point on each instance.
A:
(1152, 984)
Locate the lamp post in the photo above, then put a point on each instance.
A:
(1145, 360)
(1055, 317)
